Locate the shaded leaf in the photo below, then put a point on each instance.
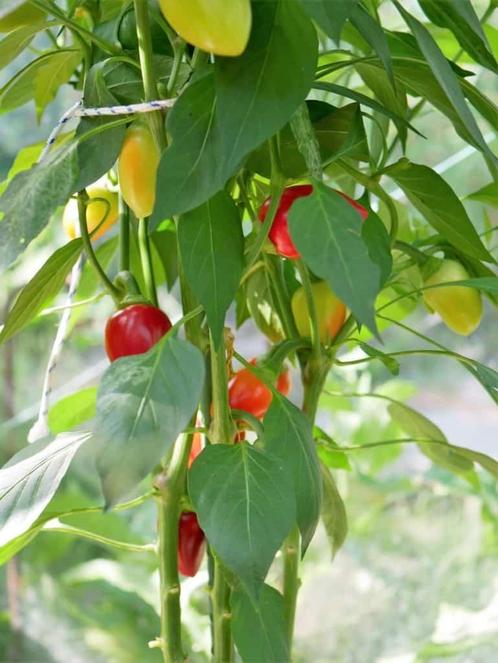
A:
(72, 410)
(330, 16)
(334, 515)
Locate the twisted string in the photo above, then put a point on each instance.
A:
(40, 428)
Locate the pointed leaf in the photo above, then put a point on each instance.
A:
(289, 437)
(374, 34)
(245, 505)
(334, 515)
(330, 16)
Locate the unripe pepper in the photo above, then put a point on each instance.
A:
(279, 232)
(459, 307)
(330, 311)
(221, 27)
(191, 544)
(137, 168)
(247, 392)
(134, 330)
(102, 213)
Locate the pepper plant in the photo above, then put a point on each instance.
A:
(265, 187)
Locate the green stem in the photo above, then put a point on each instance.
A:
(221, 433)
(124, 235)
(171, 486)
(307, 142)
(291, 552)
(175, 69)
(146, 64)
(312, 312)
(273, 267)
(146, 260)
(87, 243)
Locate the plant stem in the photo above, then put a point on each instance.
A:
(221, 433)
(146, 64)
(291, 550)
(124, 235)
(146, 259)
(82, 203)
(312, 313)
(171, 486)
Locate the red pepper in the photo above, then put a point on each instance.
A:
(247, 392)
(279, 231)
(191, 544)
(134, 330)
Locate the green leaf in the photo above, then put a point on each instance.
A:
(488, 194)
(487, 376)
(72, 410)
(31, 198)
(329, 452)
(433, 197)
(289, 437)
(446, 78)
(330, 16)
(365, 101)
(245, 504)
(44, 285)
(220, 118)
(389, 362)
(334, 515)
(55, 72)
(144, 402)
(375, 236)
(460, 17)
(262, 306)
(258, 626)
(327, 231)
(30, 479)
(485, 461)
(212, 249)
(373, 33)
(29, 83)
(97, 154)
(416, 424)
(17, 40)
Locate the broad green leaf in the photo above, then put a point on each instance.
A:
(55, 72)
(487, 194)
(143, 403)
(31, 198)
(30, 479)
(374, 34)
(438, 203)
(327, 231)
(330, 16)
(44, 285)
(97, 154)
(223, 115)
(258, 626)
(72, 410)
(245, 504)
(289, 437)
(333, 514)
(212, 250)
(30, 81)
(459, 16)
(416, 424)
(446, 78)
(17, 40)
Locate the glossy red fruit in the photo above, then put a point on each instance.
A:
(191, 544)
(279, 232)
(247, 392)
(134, 330)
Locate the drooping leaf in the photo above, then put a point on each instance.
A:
(259, 628)
(30, 479)
(487, 194)
(31, 198)
(245, 505)
(289, 437)
(212, 250)
(44, 285)
(330, 16)
(333, 514)
(16, 41)
(56, 71)
(375, 236)
(389, 362)
(144, 402)
(374, 34)
(438, 203)
(327, 231)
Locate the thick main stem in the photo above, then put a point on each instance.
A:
(221, 433)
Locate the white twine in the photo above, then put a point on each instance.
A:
(40, 428)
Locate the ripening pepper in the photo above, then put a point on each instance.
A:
(137, 168)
